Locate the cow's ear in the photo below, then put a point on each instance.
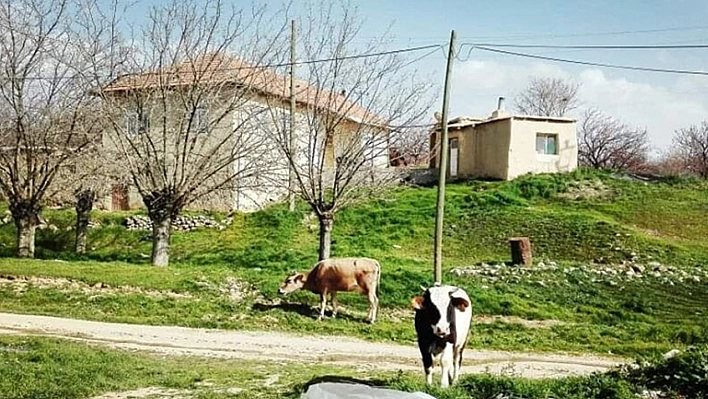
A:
(460, 303)
(417, 302)
(299, 278)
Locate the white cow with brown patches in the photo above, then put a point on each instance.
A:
(334, 275)
(443, 316)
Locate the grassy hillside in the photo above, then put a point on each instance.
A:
(590, 230)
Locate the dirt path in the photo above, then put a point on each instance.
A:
(273, 346)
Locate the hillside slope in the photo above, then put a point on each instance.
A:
(620, 265)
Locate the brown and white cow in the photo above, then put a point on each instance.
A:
(442, 322)
(333, 275)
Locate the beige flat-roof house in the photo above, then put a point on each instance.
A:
(266, 92)
(506, 146)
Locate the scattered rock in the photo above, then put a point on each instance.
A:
(272, 380)
(612, 274)
(230, 391)
(671, 353)
(646, 394)
(637, 268)
(149, 392)
(20, 284)
(180, 223)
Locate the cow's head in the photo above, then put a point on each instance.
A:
(292, 283)
(439, 304)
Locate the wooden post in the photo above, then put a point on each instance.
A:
(521, 251)
(292, 147)
(442, 166)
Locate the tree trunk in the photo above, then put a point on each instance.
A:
(161, 242)
(84, 205)
(163, 206)
(25, 214)
(25, 236)
(326, 225)
(521, 251)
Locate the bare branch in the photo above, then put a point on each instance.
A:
(183, 119)
(691, 146)
(47, 120)
(548, 97)
(350, 112)
(606, 143)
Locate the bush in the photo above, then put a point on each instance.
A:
(685, 374)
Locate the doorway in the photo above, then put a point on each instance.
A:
(119, 198)
(454, 157)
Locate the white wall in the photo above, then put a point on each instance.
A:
(523, 158)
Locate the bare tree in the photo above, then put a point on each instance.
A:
(80, 183)
(179, 118)
(351, 111)
(691, 144)
(412, 149)
(548, 97)
(46, 118)
(606, 143)
(668, 163)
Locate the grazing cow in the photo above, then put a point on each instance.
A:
(442, 322)
(332, 275)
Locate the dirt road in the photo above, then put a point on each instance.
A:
(271, 346)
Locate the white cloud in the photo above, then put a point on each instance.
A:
(660, 108)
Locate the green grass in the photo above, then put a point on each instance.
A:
(40, 368)
(43, 368)
(652, 222)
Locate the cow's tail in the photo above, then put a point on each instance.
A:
(378, 278)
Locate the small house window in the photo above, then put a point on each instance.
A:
(546, 144)
(137, 122)
(200, 122)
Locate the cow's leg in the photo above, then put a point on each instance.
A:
(427, 363)
(334, 303)
(373, 306)
(446, 362)
(457, 363)
(323, 304)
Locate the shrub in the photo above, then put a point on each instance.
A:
(685, 374)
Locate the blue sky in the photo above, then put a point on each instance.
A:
(659, 102)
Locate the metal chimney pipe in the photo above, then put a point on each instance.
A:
(500, 103)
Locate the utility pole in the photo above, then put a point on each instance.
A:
(293, 143)
(442, 163)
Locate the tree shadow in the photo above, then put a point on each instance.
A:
(303, 310)
(497, 262)
(300, 389)
(299, 308)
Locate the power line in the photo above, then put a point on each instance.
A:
(610, 33)
(435, 48)
(553, 35)
(598, 64)
(591, 47)
(366, 55)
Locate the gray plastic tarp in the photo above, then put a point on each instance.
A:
(338, 390)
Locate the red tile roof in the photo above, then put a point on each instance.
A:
(220, 69)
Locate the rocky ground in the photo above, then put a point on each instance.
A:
(611, 274)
